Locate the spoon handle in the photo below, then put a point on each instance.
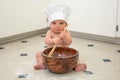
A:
(52, 51)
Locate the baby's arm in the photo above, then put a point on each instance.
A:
(48, 38)
(66, 37)
(50, 41)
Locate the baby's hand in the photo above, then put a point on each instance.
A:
(63, 33)
(57, 40)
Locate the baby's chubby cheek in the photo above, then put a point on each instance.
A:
(62, 30)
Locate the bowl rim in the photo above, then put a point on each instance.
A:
(61, 57)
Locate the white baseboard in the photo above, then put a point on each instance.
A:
(113, 40)
(74, 34)
(22, 36)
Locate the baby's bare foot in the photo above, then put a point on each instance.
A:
(39, 66)
(80, 67)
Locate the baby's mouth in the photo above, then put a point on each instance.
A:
(57, 29)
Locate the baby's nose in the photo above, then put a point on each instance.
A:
(58, 25)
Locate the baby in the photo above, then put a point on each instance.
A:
(58, 33)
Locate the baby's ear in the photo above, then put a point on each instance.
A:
(67, 24)
(65, 28)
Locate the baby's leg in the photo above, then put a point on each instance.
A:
(40, 63)
(80, 67)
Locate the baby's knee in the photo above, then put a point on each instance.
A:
(38, 54)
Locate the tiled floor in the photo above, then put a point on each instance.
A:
(17, 60)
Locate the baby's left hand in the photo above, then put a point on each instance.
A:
(63, 33)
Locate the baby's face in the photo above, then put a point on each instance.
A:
(58, 26)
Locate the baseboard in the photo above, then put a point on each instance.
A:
(22, 36)
(74, 34)
(113, 40)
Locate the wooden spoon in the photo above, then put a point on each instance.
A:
(52, 51)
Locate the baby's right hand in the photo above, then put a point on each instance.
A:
(56, 40)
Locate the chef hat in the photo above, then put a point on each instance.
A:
(57, 12)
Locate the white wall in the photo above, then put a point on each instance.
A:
(19, 16)
(93, 16)
(88, 16)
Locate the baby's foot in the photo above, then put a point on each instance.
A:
(39, 66)
(80, 67)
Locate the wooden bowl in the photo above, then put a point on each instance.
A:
(63, 60)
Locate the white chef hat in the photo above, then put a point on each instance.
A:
(57, 12)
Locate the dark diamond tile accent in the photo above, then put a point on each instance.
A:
(43, 35)
(1, 48)
(106, 60)
(88, 72)
(24, 41)
(118, 51)
(90, 45)
(22, 76)
(23, 54)
(45, 46)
